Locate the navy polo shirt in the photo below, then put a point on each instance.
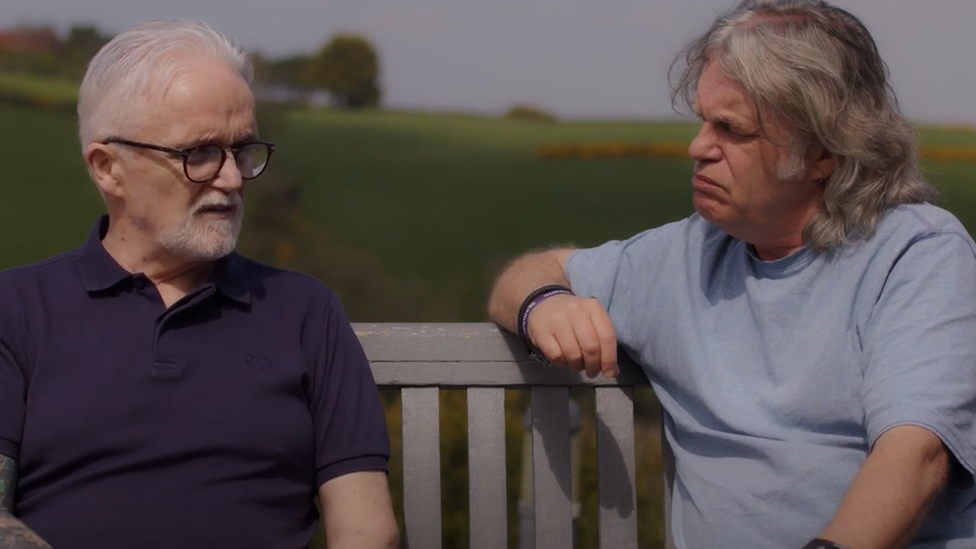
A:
(210, 424)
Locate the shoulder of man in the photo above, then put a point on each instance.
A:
(280, 280)
(15, 280)
(692, 229)
(908, 223)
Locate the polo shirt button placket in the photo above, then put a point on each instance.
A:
(166, 363)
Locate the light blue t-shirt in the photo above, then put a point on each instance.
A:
(777, 377)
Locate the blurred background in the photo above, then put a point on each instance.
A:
(423, 143)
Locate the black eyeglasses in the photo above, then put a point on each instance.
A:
(201, 164)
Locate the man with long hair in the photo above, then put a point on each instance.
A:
(810, 330)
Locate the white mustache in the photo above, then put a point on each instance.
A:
(220, 201)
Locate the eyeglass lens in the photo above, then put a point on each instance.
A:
(204, 163)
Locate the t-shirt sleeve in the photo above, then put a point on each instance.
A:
(920, 345)
(12, 380)
(347, 416)
(593, 272)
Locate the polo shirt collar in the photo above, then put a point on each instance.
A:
(100, 272)
(230, 279)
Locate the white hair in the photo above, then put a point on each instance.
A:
(817, 66)
(139, 65)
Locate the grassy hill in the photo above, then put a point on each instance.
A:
(439, 196)
(43, 91)
(47, 202)
(439, 200)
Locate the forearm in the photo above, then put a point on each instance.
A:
(358, 513)
(523, 275)
(374, 539)
(14, 534)
(893, 492)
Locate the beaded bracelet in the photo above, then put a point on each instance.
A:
(823, 544)
(531, 301)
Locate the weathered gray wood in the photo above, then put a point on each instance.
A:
(552, 481)
(668, 458)
(616, 468)
(466, 355)
(493, 374)
(479, 342)
(421, 358)
(421, 468)
(487, 507)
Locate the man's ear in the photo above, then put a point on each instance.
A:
(824, 163)
(104, 168)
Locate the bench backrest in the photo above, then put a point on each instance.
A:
(483, 360)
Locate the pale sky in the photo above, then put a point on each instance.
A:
(577, 58)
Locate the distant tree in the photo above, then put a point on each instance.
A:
(30, 49)
(348, 68)
(79, 46)
(529, 113)
(289, 71)
(261, 66)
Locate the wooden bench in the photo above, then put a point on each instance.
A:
(421, 359)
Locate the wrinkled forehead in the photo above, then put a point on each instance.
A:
(201, 101)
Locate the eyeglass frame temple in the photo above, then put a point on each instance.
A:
(185, 154)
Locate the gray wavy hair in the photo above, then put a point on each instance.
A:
(139, 65)
(817, 66)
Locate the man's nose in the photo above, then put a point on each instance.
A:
(229, 177)
(704, 147)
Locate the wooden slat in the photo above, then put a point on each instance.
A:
(552, 483)
(616, 467)
(481, 357)
(492, 374)
(488, 517)
(668, 458)
(421, 468)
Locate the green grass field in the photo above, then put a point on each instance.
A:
(438, 199)
(437, 196)
(48, 202)
(38, 90)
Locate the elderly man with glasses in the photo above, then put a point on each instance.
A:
(157, 390)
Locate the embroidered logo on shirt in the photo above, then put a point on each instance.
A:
(260, 363)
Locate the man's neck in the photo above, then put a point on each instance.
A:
(174, 277)
(774, 252)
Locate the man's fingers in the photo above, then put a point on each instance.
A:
(551, 350)
(576, 333)
(572, 355)
(608, 343)
(589, 343)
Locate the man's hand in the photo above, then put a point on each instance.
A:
(576, 333)
(570, 331)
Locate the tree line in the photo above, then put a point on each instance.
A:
(346, 67)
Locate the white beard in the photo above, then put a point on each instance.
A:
(202, 238)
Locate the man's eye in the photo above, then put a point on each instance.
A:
(724, 127)
(203, 155)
